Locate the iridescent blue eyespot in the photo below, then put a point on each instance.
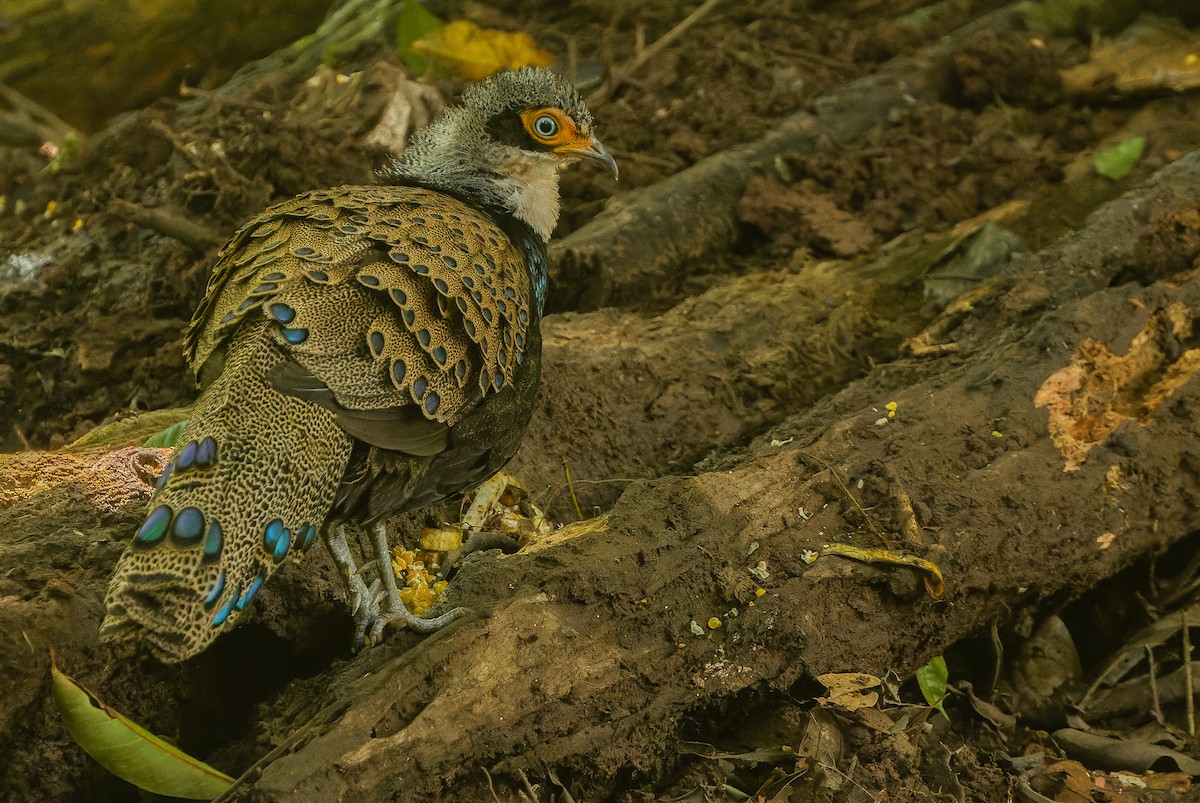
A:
(282, 313)
(227, 608)
(432, 400)
(255, 584)
(399, 296)
(310, 535)
(187, 456)
(272, 534)
(155, 526)
(213, 543)
(376, 342)
(423, 337)
(439, 355)
(399, 369)
(281, 548)
(295, 336)
(420, 386)
(189, 525)
(206, 453)
(162, 478)
(215, 591)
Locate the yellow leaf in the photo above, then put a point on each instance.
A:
(474, 53)
(934, 583)
(129, 751)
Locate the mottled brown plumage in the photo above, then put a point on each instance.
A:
(364, 350)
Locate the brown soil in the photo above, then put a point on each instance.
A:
(720, 415)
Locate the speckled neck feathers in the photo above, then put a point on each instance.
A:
(458, 154)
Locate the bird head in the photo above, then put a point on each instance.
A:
(503, 146)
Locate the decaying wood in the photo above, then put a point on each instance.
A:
(642, 237)
(551, 661)
(669, 540)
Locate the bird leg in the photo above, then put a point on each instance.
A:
(392, 607)
(363, 598)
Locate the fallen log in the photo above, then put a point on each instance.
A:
(582, 663)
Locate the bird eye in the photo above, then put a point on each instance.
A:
(545, 126)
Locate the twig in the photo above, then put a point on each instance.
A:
(998, 648)
(1158, 714)
(491, 788)
(35, 120)
(567, 796)
(168, 223)
(1187, 675)
(845, 490)
(908, 518)
(21, 437)
(619, 77)
(571, 490)
(528, 786)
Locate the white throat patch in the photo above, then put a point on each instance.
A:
(531, 186)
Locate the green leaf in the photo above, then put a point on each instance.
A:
(414, 22)
(168, 436)
(129, 751)
(1117, 161)
(932, 679)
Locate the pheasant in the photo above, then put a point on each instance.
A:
(363, 350)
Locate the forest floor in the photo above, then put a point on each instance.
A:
(707, 407)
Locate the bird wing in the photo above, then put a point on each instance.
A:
(400, 308)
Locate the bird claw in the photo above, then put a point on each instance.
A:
(419, 624)
(376, 606)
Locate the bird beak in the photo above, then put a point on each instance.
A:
(592, 149)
